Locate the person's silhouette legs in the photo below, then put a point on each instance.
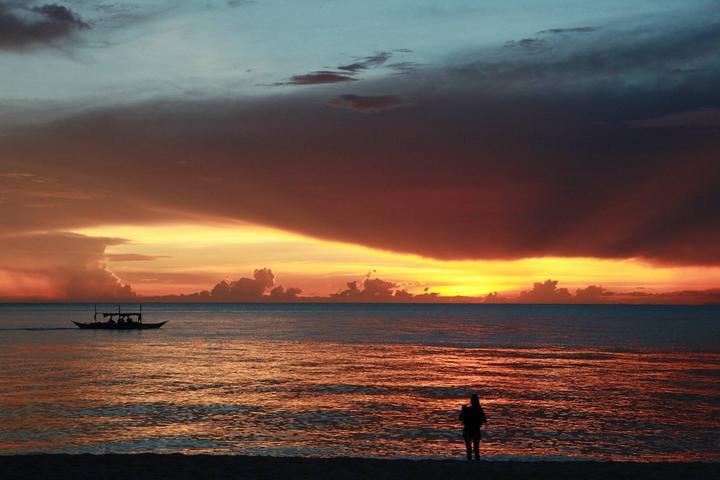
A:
(472, 444)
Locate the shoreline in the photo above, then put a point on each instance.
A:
(148, 466)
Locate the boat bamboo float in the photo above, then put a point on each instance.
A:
(118, 321)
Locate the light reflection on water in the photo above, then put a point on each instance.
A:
(262, 382)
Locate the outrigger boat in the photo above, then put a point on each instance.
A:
(118, 321)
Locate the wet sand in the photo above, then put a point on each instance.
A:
(150, 466)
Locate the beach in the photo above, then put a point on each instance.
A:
(177, 466)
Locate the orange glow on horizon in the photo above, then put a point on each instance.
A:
(191, 257)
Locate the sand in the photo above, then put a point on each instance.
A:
(150, 466)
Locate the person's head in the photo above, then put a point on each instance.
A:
(474, 400)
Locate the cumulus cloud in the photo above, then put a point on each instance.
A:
(592, 294)
(378, 290)
(545, 292)
(253, 289)
(259, 289)
(279, 294)
(495, 297)
(23, 26)
(680, 297)
(59, 266)
(548, 292)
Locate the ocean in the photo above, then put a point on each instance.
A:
(638, 383)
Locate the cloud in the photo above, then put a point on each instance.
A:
(531, 45)
(132, 257)
(261, 289)
(685, 297)
(378, 290)
(367, 62)
(495, 297)
(645, 54)
(592, 294)
(279, 294)
(369, 103)
(405, 68)
(569, 30)
(701, 118)
(546, 292)
(58, 266)
(680, 297)
(502, 156)
(318, 78)
(347, 72)
(22, 26)
(251, 289)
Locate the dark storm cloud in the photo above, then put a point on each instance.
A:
(22, 26)
(531, 155)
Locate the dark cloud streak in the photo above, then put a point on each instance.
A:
(317, 78)
(22, 27)
(369, 103)
(367, 62)
(569, 30)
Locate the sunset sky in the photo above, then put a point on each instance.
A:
(456, 147)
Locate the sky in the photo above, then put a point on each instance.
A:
(289, 150)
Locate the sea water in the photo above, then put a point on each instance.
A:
(618, 382)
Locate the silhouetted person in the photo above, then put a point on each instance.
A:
(472, 417)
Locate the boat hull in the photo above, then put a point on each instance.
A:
(118, 326)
